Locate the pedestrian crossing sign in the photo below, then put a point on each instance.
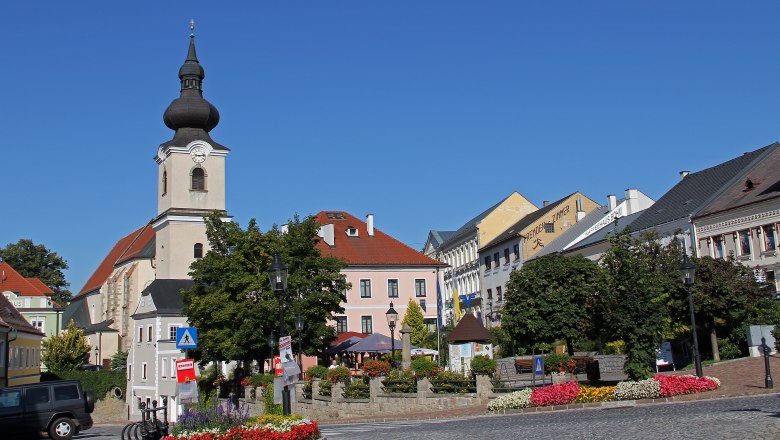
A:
(539, 365)
(186, 337)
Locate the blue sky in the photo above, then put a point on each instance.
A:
(423, 113)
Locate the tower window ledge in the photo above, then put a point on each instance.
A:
(199, 190)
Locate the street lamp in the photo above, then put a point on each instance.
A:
(299, 328)
(97, 357)
(392, 319)
(277, 274)
(688, 273)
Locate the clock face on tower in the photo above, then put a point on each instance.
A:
(198, 154)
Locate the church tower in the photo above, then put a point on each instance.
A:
(191, 174)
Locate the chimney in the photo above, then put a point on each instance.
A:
(612, 201)
(683, 174)
(545, 203)
(632, 201)
(285, 228)
(580, 209)
(328, 234)
(370, 224)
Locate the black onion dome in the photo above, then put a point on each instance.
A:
(190, 110)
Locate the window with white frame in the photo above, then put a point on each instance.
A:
(419, 288)
(717, 247)
(516, 251)
(506, 256)
(173, 367)
(496, 260)
(164, 367)
(770, 243)
(744, 242)
(366, 324)
(143, 371)
(140, 333)
(38, 322)
(149, 333)
(129, 371)
(392, 288)
(172, 331)
(365, 288)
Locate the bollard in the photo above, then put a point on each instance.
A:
(150, 427)
(768, 380)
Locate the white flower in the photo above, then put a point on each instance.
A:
(516, 400)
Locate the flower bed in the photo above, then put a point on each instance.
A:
(281, 429)
(661, 385)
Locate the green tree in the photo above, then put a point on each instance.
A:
(638, 278)
(548, 300)
(67, 351)
(727, 299)
(232, 303)
(119, 360)
(35, 261)
(414, 318)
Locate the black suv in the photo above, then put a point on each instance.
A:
(59, 407)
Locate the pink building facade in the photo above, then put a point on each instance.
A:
(381, 270)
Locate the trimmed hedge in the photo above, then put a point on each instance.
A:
(98, 382)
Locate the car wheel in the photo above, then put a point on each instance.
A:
(62, 429)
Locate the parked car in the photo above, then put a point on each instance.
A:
(59, 407)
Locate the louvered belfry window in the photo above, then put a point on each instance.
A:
(198, 179)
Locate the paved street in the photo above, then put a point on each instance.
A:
(101, 432)
(737, 418)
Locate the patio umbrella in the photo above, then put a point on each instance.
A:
(374, 343)
(342, 346)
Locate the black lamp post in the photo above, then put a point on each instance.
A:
(688, 272)
(299, 328)
(392, 319)
(277, 274)
(768, 379)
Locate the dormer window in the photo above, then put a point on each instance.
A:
(352, 231)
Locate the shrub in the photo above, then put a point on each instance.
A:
(317, 372)
(559, 363)
(675, 385)
(218, 417)
(400, 381)
(357, 389)
(595, 394)
(615, 347)
(633, 390)
(374, 368)
(483, 365)
(268, 399)
(99, 383)
(728, 349)
(515, 400)
(338, 374)
(261, 380)
(561, 394)
(451, 382)
(424, 367)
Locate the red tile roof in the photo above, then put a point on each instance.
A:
(11, 318)
(379, 249)
(43, 288)
(124, 249)
(11, 280)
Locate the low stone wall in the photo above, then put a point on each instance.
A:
(610, 363)
(336, 406)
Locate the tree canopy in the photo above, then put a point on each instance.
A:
(67, 351)
(36, 261)
(548, 299)
(232, 303)
(414, 317)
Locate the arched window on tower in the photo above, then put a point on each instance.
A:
(198, 179)
(165, 182)
(198, 250)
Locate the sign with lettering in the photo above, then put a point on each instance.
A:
(185, 370)
(552, 219)
(285, 349)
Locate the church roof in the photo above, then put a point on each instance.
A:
(166, 295)
(469, 329)
(10, 280)
(362, 249)
(137, 244)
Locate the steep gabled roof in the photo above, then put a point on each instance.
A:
(758, 183)
(166, 295)
(11, 280)
(469, 329)
(471, 225)
(362, 249)
(11, 318)
(694, 191)
(524, 222)
(133, 245)
(436, 238)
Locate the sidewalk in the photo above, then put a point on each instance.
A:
(739, 377)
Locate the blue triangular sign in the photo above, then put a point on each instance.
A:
(186, 337)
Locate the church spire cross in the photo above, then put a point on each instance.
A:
(192, 28)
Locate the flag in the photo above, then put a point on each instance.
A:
(438, 302)
(455, 299)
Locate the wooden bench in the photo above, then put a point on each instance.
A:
(524, 366)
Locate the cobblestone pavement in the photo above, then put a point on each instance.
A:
(752, 417)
